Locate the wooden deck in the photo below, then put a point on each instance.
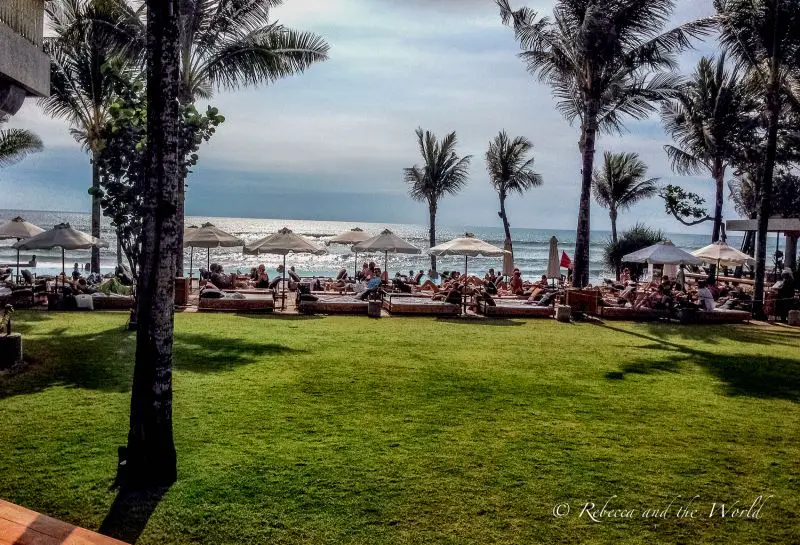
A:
(20, 526)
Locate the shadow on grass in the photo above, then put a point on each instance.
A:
(104, 360)
(482, 321)
(130, 512)
(279, 316)
(751, 375)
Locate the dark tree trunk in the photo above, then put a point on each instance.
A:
(580, 272)
(181, 218)
(612, 214)
(432, 230)
(774, 107)
(719, 180)
(97, 211)
(504, 217)
(150, 458)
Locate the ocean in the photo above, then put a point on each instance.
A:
(531, 246)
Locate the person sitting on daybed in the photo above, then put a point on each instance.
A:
(374, 285)
(705, 296)
(262, 278)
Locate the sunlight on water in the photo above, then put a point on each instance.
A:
(531, 246)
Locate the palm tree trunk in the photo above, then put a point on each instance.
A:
(580, 272)
(150, 456)
(774, 107)
(612, 214)
(719, 179)
(504, 217)
(97, 211)
(432, 230)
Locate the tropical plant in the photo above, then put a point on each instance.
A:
(443, 173)
(621, 183)
(16, 144)
(706, 119)
(637, 237)
(510, 171)
(604, 61)
(88, 34)
(764, 35)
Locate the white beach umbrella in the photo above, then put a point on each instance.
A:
(282, 243)
(720, 253)
(553, 260)
(353, 236)
(208, 236)
(468, 246)
(662, 253)
(19, 229)
(61, 236)
(386, 242)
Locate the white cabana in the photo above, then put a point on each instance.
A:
(18, 228)
(61, 236)
(468, 246)
(662, 253)
(283, 242)
(386, 242)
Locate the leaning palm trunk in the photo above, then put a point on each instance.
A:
(774, 106)
(504, 217)
(580, 272)
(151, 457)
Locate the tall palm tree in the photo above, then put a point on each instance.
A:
(706, 119)
(765, 36)
(87, 35)
(510, 171)
(16, 144)
(621, 183)
(228, 44)
(443, 173)
(604, 60)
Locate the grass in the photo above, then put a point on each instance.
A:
(349, 430)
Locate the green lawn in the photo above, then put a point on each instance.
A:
(350, 430)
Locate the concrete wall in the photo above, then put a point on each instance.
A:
(22, 63)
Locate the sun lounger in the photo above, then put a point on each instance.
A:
(334, 304)
(422, 306)
(633, 314)
(112, 302)
(248, 303)
(513, 307)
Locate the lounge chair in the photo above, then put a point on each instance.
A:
(242, 302)
(420, 306)
(513, 307)
(333, 304)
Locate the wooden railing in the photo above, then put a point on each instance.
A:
(25, 17)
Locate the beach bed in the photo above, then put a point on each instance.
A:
(420, 306)
(632, 314)
(513, 307)
(249, 303)
(333, 304)
(112, 302)
(716, 316)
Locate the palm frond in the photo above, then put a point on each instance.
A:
(621, 182)
(16, 144)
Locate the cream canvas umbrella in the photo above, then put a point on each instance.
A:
(386, 242)
(19, 229)
(662, 253)
(553, 260)
(353, 236)
(61, 236)
(282, 243)
(208, 237)
(719, 252)
(468, 246)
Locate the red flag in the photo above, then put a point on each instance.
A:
(566, 263)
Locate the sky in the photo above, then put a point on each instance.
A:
(331, 144)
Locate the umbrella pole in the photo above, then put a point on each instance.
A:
(464, 295)
(386, 263)
(17, 263)
(191, 257)
(283, 297)
(208, 259)
(63, 266)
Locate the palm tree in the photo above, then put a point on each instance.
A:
(228, 44)
(16, 144)
(443, 173)
(765, 36)
(510, 171)
(706, 119)
(150, 458)
(88, 34)
(621, 183)
(604, 61)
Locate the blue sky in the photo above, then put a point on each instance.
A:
(332, 143)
